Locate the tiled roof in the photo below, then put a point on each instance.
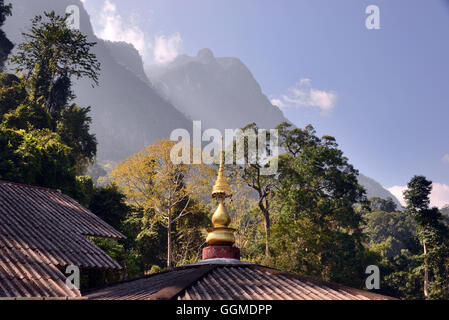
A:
(236, 281)
(41, 232)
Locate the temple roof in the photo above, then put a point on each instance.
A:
(42, 232)
(219, 279)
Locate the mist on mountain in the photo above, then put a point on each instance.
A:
(221, 92)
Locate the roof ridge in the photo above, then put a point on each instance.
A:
(30, 186)
(169, 293)
(208, 269)
(146, 276)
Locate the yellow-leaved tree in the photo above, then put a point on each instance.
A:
(161, 189)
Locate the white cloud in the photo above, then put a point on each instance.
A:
(114, 28)
(110, 25)
(445, 158)
(438, 198)
(304, 95)
(277, 102)
(440, 195)
(397, 192)
(167, 48)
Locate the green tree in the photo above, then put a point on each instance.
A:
(37, 157)
(433, 235)
(109, 204)
(395, 229)
(28, 117)
(163, 192)
(50, 56)
(252, 174)
(12, 92)
(5, 45)
(379, 204)
(27, 104)
(73, 127)
(318, 232)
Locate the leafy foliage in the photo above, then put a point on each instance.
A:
(163, 191)
(254, 177)
(317, 231)
(12, 92)
(73, 127)
(5, 45)
(38, 157)
(46, 142)
(51, 55)
(433, 235)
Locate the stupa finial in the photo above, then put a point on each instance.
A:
(220, 233)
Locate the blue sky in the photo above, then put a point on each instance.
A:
(382, 93)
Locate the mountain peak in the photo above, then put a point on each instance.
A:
(205, 55)
(221, 92)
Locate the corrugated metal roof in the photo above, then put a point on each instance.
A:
(230, 282)
(158, 286)
(41, 232)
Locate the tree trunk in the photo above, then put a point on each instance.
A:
(447, 279)
(426, 272)
(169, 244)
(266, 221)
(267, 233)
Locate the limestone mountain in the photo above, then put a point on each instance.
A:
(221, 92)
(375, 189)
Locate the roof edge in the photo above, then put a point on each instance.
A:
(119, 235)
(30, 186)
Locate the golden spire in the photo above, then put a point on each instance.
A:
(221, 186)
(221, 233)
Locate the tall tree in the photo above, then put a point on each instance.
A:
(164, 191)
(46, 144)
(433, 235)
(5, 45)
(73, 127)
(252, 174)
(318, 232)
(51, 55)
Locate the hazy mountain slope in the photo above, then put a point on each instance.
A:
(127, 113)
(221, 92)
(125, 54)
(375, 189)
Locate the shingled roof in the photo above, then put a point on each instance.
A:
(42, 232)
(229, 279)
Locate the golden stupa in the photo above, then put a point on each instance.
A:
(220, 233)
